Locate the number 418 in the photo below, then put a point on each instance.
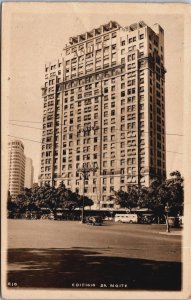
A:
(12, 284)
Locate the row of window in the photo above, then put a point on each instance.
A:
(99, 42)
(91, 78)
(130, 170)
(53, 67)
(99, 63)
(86, 80)
(88, 46)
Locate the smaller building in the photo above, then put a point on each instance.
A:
(16, 164)
(29, 173)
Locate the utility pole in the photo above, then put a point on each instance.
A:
(167, 223)
(101, 146)
(85, 172)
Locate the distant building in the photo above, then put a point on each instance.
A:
(16, 163)
(104, 106)
(29, 173)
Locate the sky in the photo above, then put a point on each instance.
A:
(36, 33)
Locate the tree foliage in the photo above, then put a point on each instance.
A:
(36, 198)
(155, 197)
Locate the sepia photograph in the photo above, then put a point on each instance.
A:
(93, 169)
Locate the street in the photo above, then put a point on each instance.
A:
(66, 254)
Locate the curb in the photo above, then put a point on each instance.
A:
(172, 233)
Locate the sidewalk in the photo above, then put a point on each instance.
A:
(175, 232)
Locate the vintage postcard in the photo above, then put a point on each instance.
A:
(96, 151)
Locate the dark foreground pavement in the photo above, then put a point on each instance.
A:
(50, 254)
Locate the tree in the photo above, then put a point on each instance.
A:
(87, 201)
(127, 199)
(175, 187)
(51, 198)
(156, 196)
(121, 198)
(170, 191)
(11, 205)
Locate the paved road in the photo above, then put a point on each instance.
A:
(47, 253)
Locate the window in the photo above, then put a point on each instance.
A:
(106, 51)
(141, 37)
(131, 91)
(105, 130)
(122, 60)
(106, 37)
(122, 136)
(131, 57)
(111, 189)
(122, 145)
(105, 164)
(122, 110)
(131, 82)
(123, 102)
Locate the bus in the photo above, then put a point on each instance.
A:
(126, 218)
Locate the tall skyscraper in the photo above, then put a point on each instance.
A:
(104, 105)
(29, 172)
(16, 163)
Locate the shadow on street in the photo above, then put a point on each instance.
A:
(59, 268)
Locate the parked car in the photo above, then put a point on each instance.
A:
(58, 215)
(145, 219)
(108, 218)
(94, 220)
(51, 216)
(126, 218)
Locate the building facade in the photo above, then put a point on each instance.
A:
(29, 173)
(16, 163)
(104, 106)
